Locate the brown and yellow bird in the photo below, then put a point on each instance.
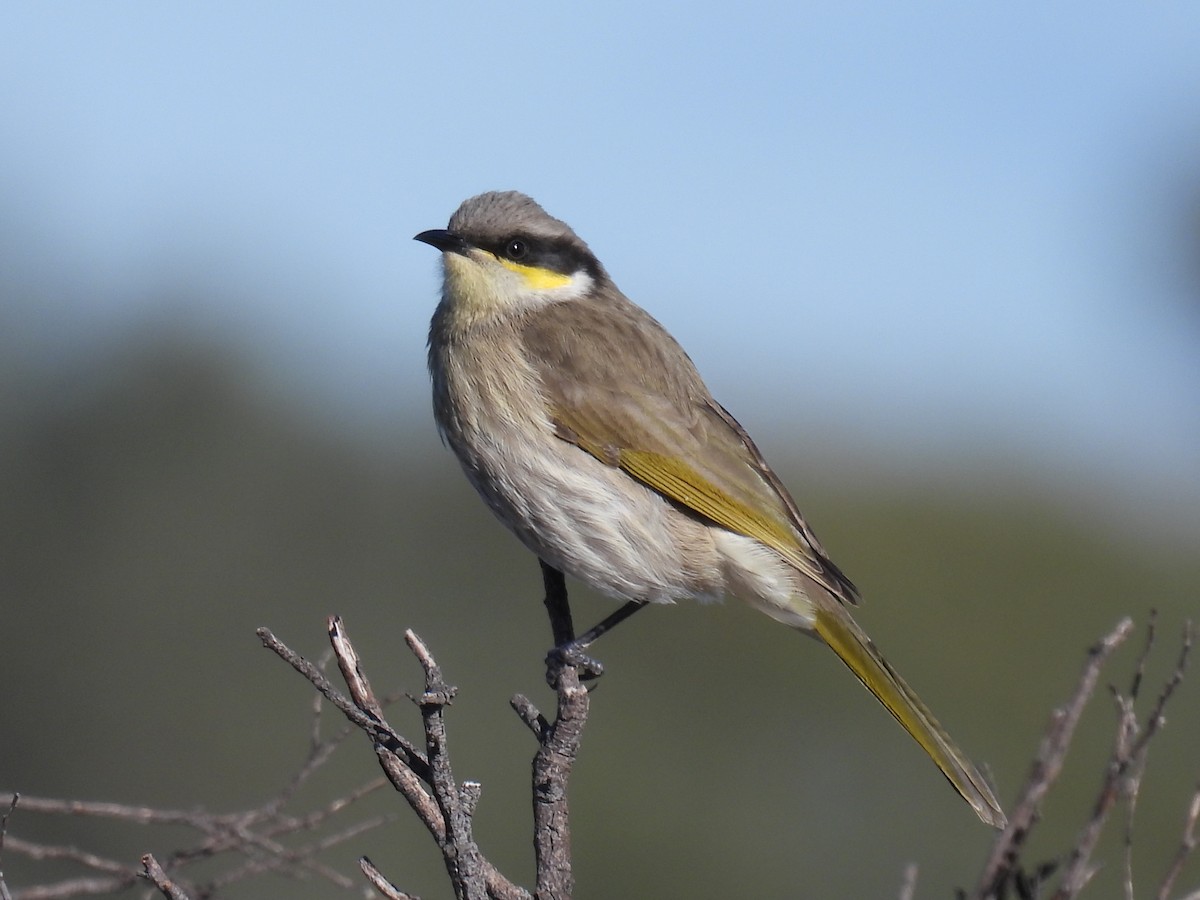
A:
(590, 434)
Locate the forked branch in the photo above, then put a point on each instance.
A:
(425, 777)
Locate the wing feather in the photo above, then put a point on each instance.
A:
(620, 388)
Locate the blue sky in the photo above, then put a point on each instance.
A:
(938, 228)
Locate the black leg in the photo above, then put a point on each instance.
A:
(570, 653)
(557, 606)
(568, 649)
(607, 624)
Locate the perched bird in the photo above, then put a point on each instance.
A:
(590, 434)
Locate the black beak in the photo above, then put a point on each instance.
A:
(446, 241)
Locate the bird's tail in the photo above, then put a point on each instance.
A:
(848, 641)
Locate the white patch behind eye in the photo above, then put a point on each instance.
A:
(579, 286)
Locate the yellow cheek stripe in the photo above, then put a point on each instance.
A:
(537, 278)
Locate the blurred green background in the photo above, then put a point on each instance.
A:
(162, 503)
(963, 250)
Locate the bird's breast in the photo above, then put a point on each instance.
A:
(577, 513)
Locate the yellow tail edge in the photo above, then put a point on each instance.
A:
(858, 652)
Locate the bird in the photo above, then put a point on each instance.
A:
(588, 431)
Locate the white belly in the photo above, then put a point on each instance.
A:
(593, 521)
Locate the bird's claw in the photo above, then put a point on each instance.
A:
(570, 656)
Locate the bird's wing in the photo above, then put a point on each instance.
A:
(620, 388)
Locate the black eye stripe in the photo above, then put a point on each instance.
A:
(565, 257)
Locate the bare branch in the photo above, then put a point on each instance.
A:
(366, 721)
(12, 804)
(44, 852)
(530, 715)
(1125, 769)
(162, 881)
(1047, 766)
(1121, 781)
(381, 884)
(76, 887)
(459, 851)
(1186, 846)
(256, 833)
(347, 659)
(425, 780)
(139, 815)
(446, 805)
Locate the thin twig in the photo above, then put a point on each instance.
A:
(1186, 846)
(12, 805)
(460, 853)
(412, 757)
(59, 853)
(1128, 723)
(1122, 779)
(380, 883)
(162, 881)
(1125, 768)
(348, 662)
(255, 833)
(425, 780)
(531, 716)
(1047, 766)
(78, 887)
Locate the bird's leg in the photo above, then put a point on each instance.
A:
(606, 624)
(568, 649)
(557, 606)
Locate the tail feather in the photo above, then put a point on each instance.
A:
(834, 625)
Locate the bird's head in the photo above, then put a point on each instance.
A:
(505, 255)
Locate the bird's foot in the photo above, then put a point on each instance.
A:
(571, 655)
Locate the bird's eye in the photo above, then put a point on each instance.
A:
(516, 249)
